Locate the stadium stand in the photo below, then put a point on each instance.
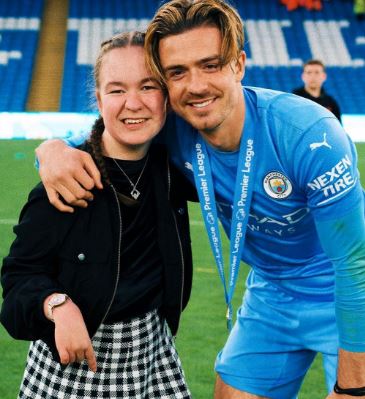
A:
(19, 32)
(89, 24)
(278, 42)
(44, 92)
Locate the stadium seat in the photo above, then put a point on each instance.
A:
(278, 42)
(19, 32)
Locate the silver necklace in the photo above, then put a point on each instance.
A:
(134, 193)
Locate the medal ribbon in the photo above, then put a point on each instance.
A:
(240, 213)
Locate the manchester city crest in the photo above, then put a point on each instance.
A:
(277, 185)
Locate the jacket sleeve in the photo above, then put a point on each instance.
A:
(28, 274)
(181, 186)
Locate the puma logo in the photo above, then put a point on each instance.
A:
(323, 143)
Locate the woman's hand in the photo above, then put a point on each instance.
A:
(72, 338)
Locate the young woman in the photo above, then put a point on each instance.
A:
(100, 291)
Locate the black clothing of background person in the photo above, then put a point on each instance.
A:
(324, 99)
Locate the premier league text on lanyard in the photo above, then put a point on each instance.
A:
(240, 213)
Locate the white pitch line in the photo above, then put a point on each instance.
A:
(203, 270)
(15, 221)
(8, 221)
(196, 223)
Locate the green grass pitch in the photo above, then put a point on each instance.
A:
(202, 330)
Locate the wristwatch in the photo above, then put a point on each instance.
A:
(54, 301)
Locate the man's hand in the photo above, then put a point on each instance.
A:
(350, 372)
(72, 338)
(68, 173)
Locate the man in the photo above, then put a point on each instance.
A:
(313, 76)
(359, 9)
(292, 5)
(266, 163)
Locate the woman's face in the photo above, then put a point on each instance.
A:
(131, 102)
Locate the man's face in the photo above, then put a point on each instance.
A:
(313, 76)
(201, 90)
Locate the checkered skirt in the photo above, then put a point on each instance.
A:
(137, 359)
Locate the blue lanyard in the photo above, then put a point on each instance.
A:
(240, 214)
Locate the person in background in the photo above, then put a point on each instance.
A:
(313, 77)
(292, 5)
(359, 9)
(280, 174)
(100, 291)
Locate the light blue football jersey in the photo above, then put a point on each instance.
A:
(305, 169)
(306, 196)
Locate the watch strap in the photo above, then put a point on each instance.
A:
(349, 391)
(54, 301)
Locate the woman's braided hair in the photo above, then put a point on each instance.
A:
(95, 146)
(94, 142)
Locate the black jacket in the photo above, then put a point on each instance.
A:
(44, 256)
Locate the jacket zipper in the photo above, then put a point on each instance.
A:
(180, 245)
(118, 263)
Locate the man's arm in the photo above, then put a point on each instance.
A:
(67, 173)
(340, 224)
(343, 240)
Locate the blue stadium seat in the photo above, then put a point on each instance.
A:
(277, 44)
(19, 32)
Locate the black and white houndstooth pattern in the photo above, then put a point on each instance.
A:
(137, 359)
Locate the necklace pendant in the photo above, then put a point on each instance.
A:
(135, 193)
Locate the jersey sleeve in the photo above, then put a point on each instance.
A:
(343, 240)
(76, 139)
(326, 171)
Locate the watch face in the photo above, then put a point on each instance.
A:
(57, 300)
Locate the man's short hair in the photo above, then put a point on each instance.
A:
(178, 16)
(314, 62)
